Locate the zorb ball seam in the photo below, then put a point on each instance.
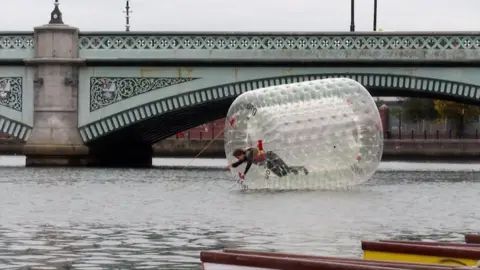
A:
(321, 134)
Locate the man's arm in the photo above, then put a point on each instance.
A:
(237, 163)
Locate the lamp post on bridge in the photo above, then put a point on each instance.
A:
(127, 16)
(352, 15)
(56, 15)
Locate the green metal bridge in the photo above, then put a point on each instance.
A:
(59, 85)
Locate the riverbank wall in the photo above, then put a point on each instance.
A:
(426, 150)
(401, 150)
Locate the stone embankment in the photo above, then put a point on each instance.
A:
(430, 149)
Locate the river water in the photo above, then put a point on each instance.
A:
(162, 218)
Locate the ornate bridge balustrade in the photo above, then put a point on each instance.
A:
(411, 47)
(16, 46)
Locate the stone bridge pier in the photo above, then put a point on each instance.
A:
(55, 139)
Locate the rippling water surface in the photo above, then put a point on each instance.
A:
(163, 218)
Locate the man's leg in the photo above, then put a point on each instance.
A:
(282, 165)
(275, 170)
(276, 164)
(298, 168)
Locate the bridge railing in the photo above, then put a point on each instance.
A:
(16, 45)
(427, 135)
(200, 135)
(274, 47)
(389, 135)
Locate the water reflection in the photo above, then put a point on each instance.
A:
(89, 246)
(163, 218)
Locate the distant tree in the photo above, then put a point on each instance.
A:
(455, 110)
(458, 113)
(398, 111)
(418, 109)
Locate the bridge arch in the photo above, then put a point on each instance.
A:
(160, 119)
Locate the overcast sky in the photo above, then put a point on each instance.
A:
(246, 15)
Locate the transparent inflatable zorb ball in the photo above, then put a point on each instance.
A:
(322, 134)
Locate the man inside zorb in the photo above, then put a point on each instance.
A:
(257, 156)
